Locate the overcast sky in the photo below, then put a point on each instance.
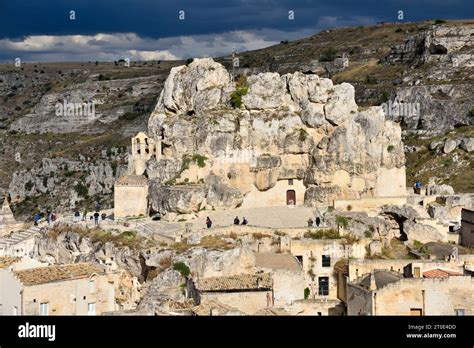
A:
(41, 30)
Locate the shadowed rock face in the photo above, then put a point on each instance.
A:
(444, 54)
(293, 126)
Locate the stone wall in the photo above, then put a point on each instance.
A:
(441, 296)
(359, 301)
(130, 200)
(364, 204)
(10, 298)
(288, 286)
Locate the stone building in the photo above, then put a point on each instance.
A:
(385, 292)
(287, 275)
(467, 227)
(72, 289)
(131, 190)
(247, 293)
(131, 196)
(318, 258)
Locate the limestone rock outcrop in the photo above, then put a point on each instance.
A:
(296, 132)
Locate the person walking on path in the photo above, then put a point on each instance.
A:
(36, 218)
(236, 221)
(77, 216)
(84, 215)
(244, 221)
(96, 218)
(208, 222)
(48, 217)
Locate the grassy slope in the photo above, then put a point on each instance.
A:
(425, 163)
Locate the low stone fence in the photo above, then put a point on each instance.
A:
(368, 203)
(251, 229)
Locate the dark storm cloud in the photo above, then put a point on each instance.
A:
(208, 23)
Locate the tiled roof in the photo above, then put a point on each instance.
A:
(382, 278)
(7, 261)
(238, 282)
(440, 273)
(215, 308)
(277, 261)
(42, 275)
(132, 180)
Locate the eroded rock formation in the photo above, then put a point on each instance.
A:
(293, 132)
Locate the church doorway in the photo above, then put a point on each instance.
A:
(290, 197)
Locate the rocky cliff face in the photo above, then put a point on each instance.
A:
(295, 126)
(64, 183)
(437, 57)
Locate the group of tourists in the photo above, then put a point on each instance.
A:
(95, 216)
(417, 188)
(317, 222)
(237, 221)
(51, 216)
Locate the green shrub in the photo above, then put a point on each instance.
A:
(182, 268)
(236, 97)
(128, 235)
(342, 221)
(370, 80)
(200, 160)
(448, 162)
(242, 89)
(307, 292)
(303, 135)
(189, 61)
(440, 21)
(398, 30)
(383, 97)
(322, 234)
(81, 190)
(114, 168)
(103, 77)
(390, 148)
(29, 185)
(328, 54)
(418, 245)
(471, 112)
(368, 234)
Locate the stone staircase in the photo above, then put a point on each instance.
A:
(17, 237)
